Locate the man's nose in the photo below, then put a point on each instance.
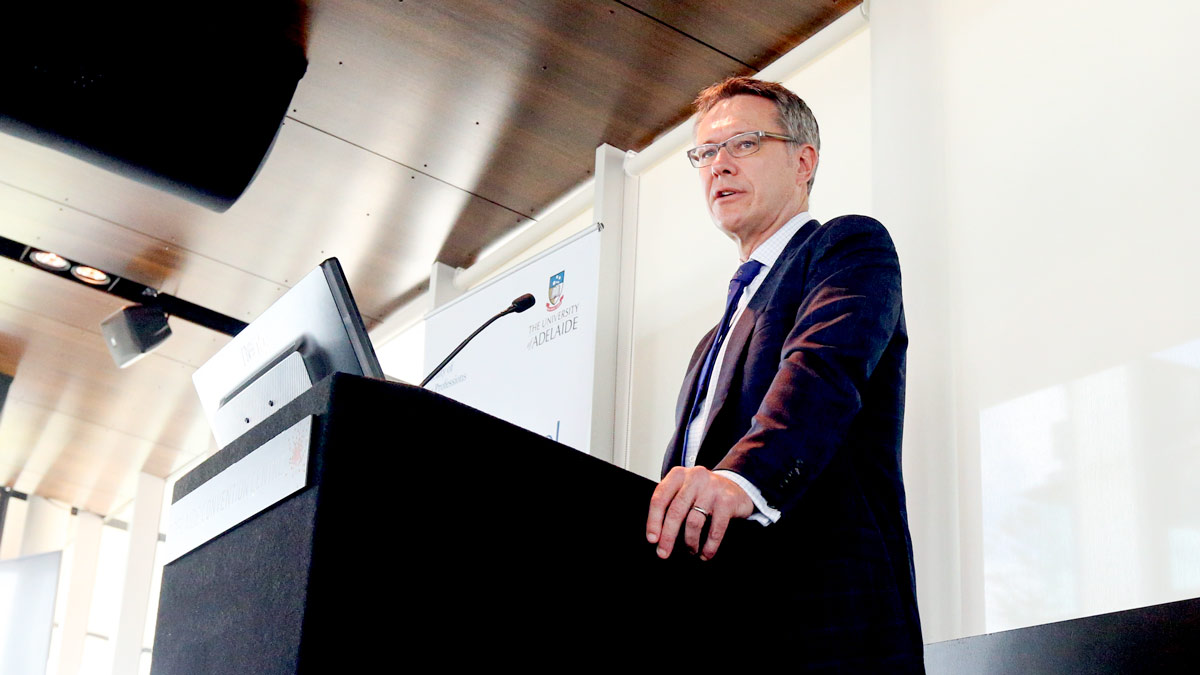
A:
(723, 162)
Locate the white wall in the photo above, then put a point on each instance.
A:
(1071, 174)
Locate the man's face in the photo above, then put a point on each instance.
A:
(750, 197)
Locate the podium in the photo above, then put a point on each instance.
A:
(424, 528)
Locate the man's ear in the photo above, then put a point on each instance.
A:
(806, 157)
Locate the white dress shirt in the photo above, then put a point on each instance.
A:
(766, 253)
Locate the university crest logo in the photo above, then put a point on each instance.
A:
(556, 291)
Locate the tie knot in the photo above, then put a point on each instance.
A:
(747, 272)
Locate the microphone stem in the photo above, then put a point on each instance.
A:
(463, 344)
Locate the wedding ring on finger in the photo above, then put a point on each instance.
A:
(702, 511)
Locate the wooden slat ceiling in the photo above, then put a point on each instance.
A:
(422, 132)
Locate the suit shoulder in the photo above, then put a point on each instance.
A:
(854, 231)
(854, 224)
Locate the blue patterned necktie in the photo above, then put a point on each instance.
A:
(745, 274)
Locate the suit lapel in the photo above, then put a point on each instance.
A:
(736, 344)
(735, 356)
(687, 393)
(738, 340)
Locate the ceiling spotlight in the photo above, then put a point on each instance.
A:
(90, 275)
(49, 261)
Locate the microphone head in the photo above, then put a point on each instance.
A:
(523, 303)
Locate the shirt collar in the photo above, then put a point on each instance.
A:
(769, 251)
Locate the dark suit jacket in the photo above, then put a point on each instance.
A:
(809, 407)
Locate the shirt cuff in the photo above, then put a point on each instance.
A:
(763, 515)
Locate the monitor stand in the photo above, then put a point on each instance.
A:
(262, 397)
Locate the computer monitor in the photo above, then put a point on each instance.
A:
(311, 332)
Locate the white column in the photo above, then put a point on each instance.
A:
(79, 589)
(623, 404)
(143, 541)
(441, 285)
(609, 429)
(45, 527)
(908, 186)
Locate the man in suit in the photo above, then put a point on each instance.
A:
(792, 407)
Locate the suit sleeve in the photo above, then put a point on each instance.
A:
(849, 309)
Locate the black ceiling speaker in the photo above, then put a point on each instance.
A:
(186, 97)
(133, 332)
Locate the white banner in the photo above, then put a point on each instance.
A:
(534, 369)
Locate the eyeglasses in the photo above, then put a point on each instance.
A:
(737, 146)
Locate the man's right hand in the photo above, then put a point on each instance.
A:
(679, 499)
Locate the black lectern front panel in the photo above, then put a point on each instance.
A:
(238, 601)
(427, 529)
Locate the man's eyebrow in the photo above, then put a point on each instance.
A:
(723, 139)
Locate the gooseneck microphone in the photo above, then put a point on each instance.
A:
(519, 305)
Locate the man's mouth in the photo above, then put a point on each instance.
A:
(721, 194)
